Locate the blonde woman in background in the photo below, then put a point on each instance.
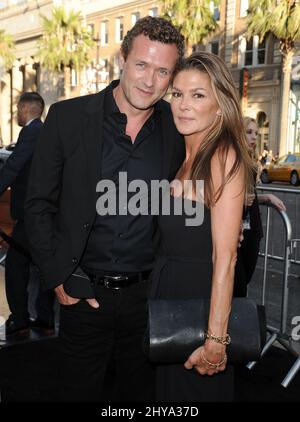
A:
(253, 232)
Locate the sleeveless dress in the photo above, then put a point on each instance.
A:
(183, 270)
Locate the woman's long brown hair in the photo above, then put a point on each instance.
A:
(227, 131)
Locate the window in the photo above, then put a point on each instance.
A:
(261, 52)
(244, 5)
(103, 71)
(291, 159)
(3, 4)
(282, 159)
(135, 17)
(153, 12)
(214, 10)
(91, 29)
(73, 77)
(104, 33)
(251, 52)
(119, 29)
(214, 47)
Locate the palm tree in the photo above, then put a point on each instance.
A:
(7, 57)
(282, 19)
(7, 47)
(194, 18)
(65, 44)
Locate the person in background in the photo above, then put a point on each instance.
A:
(15, 174)
(253, 231)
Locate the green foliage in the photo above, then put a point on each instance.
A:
(194, 18)
(65, 41)
(281, 18)
(7, 49)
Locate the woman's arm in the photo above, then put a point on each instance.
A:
(226, 217)
(268, 197)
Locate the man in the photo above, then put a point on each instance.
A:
(15, 173)
(124, 128)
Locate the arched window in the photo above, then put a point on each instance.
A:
(263, 131)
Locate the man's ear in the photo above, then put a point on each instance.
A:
(122, 61)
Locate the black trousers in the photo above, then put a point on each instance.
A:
(17, 274)
(102, 349)
(246, 262)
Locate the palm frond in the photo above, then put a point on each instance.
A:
(7, 49)
(281, 18)
(194, 18)
(65, 41)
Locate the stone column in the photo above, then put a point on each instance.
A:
(5, 107)
(229, 30)
(274, 120)
(29, 75)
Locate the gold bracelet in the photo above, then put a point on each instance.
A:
(225, 340)
(214, 365)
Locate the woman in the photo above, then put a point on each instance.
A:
(199, 261)
(253, 232)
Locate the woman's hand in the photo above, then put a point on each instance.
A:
(249, 199)
(276, 201)
(209, 359)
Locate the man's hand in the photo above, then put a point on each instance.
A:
(65, 299)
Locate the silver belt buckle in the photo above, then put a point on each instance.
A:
(113, 277)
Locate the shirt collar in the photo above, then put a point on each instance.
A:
(28, 123)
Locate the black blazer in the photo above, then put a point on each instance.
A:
(61, 203)
(15, 172)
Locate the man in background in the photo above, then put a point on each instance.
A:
(15, 174)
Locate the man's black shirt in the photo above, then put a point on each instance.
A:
(124, 243)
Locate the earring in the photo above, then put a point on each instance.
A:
(219, 113)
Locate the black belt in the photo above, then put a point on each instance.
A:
(118, 281)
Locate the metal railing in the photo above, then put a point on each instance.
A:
(279, 334)
(293, 209)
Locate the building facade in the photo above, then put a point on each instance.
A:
(108, 22)
(256, 67)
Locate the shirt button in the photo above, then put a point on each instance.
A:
(86, 226)
(120, 235)
(74, 260)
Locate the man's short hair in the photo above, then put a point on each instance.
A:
(33, 98)
(157, 29)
